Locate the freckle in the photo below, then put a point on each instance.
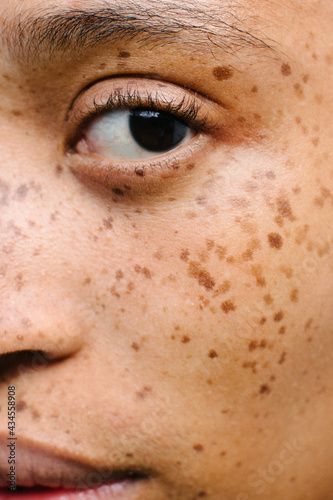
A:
(263, 321)
(118, 191)
(299, 90)
(212, 354)
(228, 306)
(315, 141)
(282, 358)
(21, 405)
(270, 175)
(278, 316)
(275, 240)
(22, 191)
(201, 275)
(119, 274)
(287, 271)
(35, 414)
(124, 54)
(231, 260)
(20, 337)
(135, 346)
(294, 295)
(59, 169)
(143, 393)
(254, 89)
(198, 447)
(297, 190)
(185, 255)
(140, 171)
(282, 330)
(286, 69)
(257, 272)
(264, 389)
(279, 220)
(222, 289)
(308, 324)
(185, 339)
(252, 365)
(305, 78)
(107, 223)
(284, 208)
(223, 73)
(221, 252)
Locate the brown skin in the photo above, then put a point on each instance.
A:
(201, 301)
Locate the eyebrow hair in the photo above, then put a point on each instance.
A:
(51, 31)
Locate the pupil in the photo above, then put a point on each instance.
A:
(155, 130)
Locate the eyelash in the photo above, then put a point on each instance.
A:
(186, 110)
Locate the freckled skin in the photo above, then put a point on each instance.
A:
(202, 301)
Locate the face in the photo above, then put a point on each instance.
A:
(166, 248)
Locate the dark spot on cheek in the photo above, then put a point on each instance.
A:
(257, 272)
(135, 346)
(140, 171)
(124, 54)
(264, 389)
(16, 112)
(198, 447)
(275, 240)
(107, 223)
(20, 338)
(35, 414)
(186, 339)
(284, 208)
(212, 354)
(144, 392)
(59, 170)
(282, 358)
(254, 89)
(21, 192)
(278, 316)
(294, 295)
(144, 271)
(118, 191)
(228, 306)
(256, 344)
(286, 69)
(223, 73)
(201, 275)
(185, 255)
(299, 90)
(282, 330)
(21, 405)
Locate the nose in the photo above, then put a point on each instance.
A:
(40, 321)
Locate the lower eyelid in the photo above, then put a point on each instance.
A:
(143, 176)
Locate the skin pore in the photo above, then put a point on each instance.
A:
(184, 301)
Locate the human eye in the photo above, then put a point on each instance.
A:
(138, 130)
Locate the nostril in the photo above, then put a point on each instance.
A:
(15, 363)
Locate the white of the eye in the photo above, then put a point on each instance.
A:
(110, 136)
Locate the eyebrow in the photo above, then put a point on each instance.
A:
(47, 32)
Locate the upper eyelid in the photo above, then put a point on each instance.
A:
(143, 76)
(162, 94)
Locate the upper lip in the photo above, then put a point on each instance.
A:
(40, 464)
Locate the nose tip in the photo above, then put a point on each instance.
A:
(46, 325)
